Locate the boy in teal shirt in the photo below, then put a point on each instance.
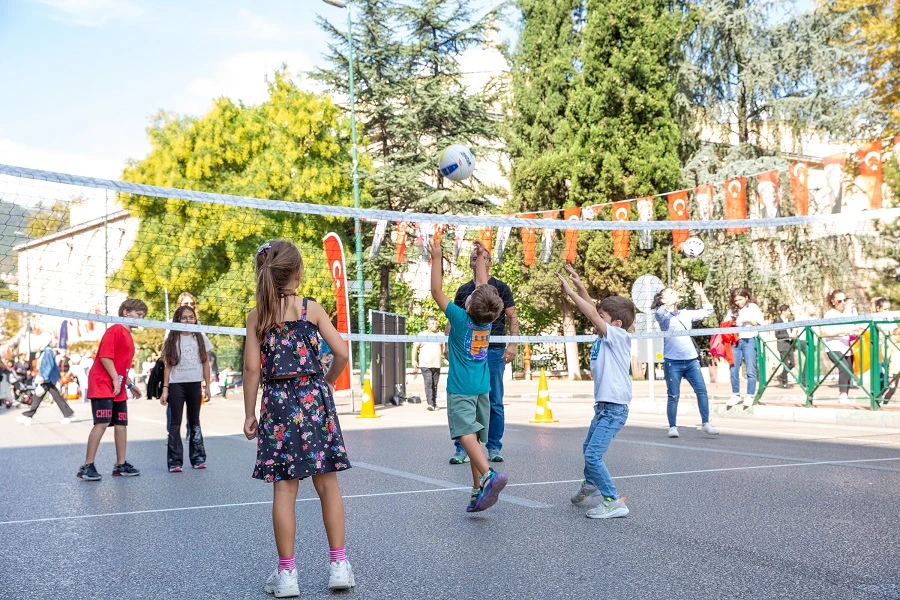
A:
(468, 380)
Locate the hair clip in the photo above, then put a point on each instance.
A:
(265, 246)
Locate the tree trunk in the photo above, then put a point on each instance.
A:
(384, 298)
(572, 364)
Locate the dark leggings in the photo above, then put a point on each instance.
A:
(844, 368)
(181, 395)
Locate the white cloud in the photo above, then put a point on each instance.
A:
(94, 13)
(242, 77)
(20, 155)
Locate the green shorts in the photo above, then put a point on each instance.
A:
(468, 413)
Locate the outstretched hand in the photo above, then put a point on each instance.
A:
(436, 252)
(576, 279)
(564, 285)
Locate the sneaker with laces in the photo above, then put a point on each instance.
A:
(88, 472)
(492, 483)
(283, 584)
(473, 499)
(494, 455)
(734, 401)
(707, 428)
(673, 432)
(584, 492)
(459, 457)
(126, 469)
(608, 509)
(340, 575)
(175, 469)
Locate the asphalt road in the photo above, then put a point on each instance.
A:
(764, 510)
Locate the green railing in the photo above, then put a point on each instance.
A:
(870, 353)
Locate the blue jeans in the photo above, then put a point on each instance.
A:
(689, 369)
(608, 420)
(746, 351)
(496, 367)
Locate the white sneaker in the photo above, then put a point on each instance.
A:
(748, 401)
(608, 509)
(340, 575)
(735, 400)
(66, 420)
(843, 399)
(23, 420)
(707, 428)
(673, 432)
(283, 584)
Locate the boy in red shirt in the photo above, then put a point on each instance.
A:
(107, 382)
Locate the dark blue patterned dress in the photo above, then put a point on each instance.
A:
(299, 433)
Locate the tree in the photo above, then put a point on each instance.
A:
(411, 102)
(293, 147)
(45, 220)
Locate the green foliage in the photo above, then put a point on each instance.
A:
(293, 147)
(45, 220)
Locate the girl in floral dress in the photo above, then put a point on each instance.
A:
(298, 431)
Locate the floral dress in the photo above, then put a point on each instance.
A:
(299, 432)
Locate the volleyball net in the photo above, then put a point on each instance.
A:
(73, 248)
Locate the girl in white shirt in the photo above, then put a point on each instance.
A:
(837, 341)
(744, 313)
(186, 356)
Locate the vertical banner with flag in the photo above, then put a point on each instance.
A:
(870, 172)
(645, 213)
(736, 202)
(502, 239)
(834, 181)
(486, 235)
(459, 236)
(547, 236)
(678, 212)
(703, 196)
(621, 237)
(529, 240)
(401, 242)
(799, 175)
(572, 214)
(380, 229)
(767, 194)
(334, 254)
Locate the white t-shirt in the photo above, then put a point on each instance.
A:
(839, 343)
(430, 352)
(610, 366)
(189, 368)
(750, 312)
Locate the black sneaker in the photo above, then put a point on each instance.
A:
(126, 469)
(89, 472)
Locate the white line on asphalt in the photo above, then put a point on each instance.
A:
(661, 424)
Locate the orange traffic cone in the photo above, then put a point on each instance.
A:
(542, 412)
(367, 410)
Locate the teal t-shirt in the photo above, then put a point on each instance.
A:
(468, 344)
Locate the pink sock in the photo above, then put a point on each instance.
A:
(286, 564)
(336, 554)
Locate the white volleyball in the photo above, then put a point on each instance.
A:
(456, 162)
(693, 247)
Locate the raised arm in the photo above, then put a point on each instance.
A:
(586, 308)
(481, 274)
(579, 285)
(437, 285)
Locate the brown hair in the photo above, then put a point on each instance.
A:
(833, 294)
(171, 349)
(484, 304)
(619, 308)
(734, 294)
(277, 261)
(132, 304)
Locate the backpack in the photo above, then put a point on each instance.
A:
(155, 380)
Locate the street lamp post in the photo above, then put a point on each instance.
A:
(360, 300)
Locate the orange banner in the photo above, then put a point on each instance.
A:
(572, 214)
(703, 196)
(621, 237)
(678, 211)
(799, 175)
(767, 194)
(736, 202)
(870, 172)
(529, 239)
(334, 254)
(487, 238)
(401, 242)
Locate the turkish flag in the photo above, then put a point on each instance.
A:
(678, 212)
(799, 175)
(334, 254)
(703, 196)
(870, 172)
(621, 237)
(572, 214)
(736, 202)
(767, 194)
(487, 238)
(529, 239)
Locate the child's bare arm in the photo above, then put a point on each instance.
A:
(437, 286)
(317, 315)
(252, 368)
(579, 286)
(481, 274)
(586, 308)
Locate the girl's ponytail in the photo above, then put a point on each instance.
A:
(277, 262)
(266, 300)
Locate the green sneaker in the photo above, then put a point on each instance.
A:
(459, 457)
(608, 509)
(495, 456)
(587, 490)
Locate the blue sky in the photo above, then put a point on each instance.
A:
(83, 77)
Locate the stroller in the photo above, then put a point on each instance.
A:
(23, 387)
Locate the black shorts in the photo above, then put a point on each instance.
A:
(109, 412)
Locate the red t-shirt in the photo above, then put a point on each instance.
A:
(118, 345)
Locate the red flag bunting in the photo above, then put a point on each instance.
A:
(799, 175)
(870, 172)
(572, 214)
(529, 239)
(678, 212)
(736, 202)
(621, 237)
(334, 254)
(487, 238)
